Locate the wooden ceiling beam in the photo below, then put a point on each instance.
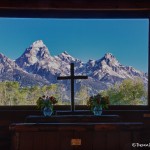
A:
(76, 4)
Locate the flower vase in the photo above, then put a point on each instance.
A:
(47, 111)
(97, 110)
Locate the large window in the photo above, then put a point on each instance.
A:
(113, 53)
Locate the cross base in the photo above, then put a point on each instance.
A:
(76, 112)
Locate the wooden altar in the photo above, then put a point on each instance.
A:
(72, 119)
(78, 132)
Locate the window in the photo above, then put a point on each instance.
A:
(112, 52)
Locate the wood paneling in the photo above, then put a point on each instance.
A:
(58, 136)
(4, 134)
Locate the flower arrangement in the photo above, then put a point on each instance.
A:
(46, 101)
(99, 101)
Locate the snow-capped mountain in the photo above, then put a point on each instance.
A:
(37, 64)
(10, 71)
(65, 57)
(36, 52)
(37, 60)
(108, 69)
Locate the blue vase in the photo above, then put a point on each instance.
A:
(97, 110)
(47, 111)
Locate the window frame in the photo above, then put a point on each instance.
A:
(70, 13)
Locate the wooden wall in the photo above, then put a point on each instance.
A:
(9, 115)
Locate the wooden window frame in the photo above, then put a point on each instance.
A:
(79, 13)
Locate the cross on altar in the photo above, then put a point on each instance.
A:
(72, 77)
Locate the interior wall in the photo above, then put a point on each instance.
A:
(13, 116)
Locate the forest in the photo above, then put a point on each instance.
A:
(129, 92)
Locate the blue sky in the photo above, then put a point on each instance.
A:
(126, 39)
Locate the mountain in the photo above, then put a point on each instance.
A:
(37, 60)
(10, 71)
(37, 66)
(36, 52)
(109, 70)
(65, 57)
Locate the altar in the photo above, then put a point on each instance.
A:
(75, 136)
(72, 119)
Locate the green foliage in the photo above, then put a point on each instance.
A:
(82, 96)
(12, 94)
(8, 92)
(129, 92)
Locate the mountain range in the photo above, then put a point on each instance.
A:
(36, 66)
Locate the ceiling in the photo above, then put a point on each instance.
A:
(143, 5)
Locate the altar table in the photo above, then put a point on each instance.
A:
(75, 136)
(71, 119)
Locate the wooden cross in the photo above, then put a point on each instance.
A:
(72, 77)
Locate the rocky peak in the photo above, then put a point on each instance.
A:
(39, 50)
(35, 53)
(65, 53)
(7, 64)
(108, 56)
(66, 57)
(110, 60)
(1, 56)
(5, 60)
(38, 43)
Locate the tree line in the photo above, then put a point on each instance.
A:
(12, 94)
(129, 92)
